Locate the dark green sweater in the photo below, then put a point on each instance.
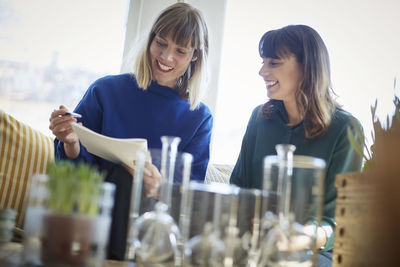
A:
(262, 135)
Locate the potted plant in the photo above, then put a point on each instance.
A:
(367, 211)
(69, 225)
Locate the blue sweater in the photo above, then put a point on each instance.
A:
(115, 106)
(263, 134)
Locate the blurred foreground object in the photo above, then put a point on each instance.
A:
(367, 212)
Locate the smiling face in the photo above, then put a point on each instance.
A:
(169, 60)
(282, 77)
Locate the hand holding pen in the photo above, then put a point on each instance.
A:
(60, 125)
(73, 114)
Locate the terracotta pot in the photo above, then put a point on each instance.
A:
(66, 239)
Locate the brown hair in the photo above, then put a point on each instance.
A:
(314, 96)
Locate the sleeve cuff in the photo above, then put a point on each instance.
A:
(330, 236)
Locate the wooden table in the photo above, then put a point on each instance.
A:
(110, 263)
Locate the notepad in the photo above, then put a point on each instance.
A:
(116, 150)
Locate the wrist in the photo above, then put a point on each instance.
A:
(322, 237)
(72, 150)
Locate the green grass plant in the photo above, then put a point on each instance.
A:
(73, 188)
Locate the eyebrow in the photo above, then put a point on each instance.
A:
(272, 59)
(179, 46)
(160, 37)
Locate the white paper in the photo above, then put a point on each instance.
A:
(117, 150)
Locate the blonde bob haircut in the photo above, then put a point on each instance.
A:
(185, 24)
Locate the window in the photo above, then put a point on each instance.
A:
(362, 38)
(52, 50)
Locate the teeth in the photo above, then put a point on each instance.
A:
(271, 83)
(163, 67)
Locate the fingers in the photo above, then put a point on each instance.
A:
(151, 186)
(61, 124)
(128, 169)
(58, 112)
(151, 180)
(61, 127)
(152, 170)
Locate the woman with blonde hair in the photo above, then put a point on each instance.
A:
(301, 111)
(160, 98)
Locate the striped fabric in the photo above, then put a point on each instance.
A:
(23, 152)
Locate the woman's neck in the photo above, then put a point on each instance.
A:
(294, 116)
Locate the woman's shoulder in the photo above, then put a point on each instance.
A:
(269, 110)
(257, 113)
(111, 84)
(203, 110)
(343, 118)
(116, 79)
(258, 109)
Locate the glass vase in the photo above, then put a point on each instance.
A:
(153, 234)
(207, 215)
(289, 226)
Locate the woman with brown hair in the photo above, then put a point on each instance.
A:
(300, 111)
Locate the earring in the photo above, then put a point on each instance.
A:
(186, 76)
(179, 82)
(188, 71)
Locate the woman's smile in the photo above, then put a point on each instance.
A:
(162, 67)
(270, 84)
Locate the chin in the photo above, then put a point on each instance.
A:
(270, 96)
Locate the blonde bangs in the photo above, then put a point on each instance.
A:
(184, 24)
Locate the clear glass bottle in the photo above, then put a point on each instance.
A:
(207, 215)
(285, 159)
(168, 160)
(293, 209)
(154, 237)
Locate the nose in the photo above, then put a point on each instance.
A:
(167, 54)
(264, 70)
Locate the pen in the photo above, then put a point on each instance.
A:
(73, 114)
